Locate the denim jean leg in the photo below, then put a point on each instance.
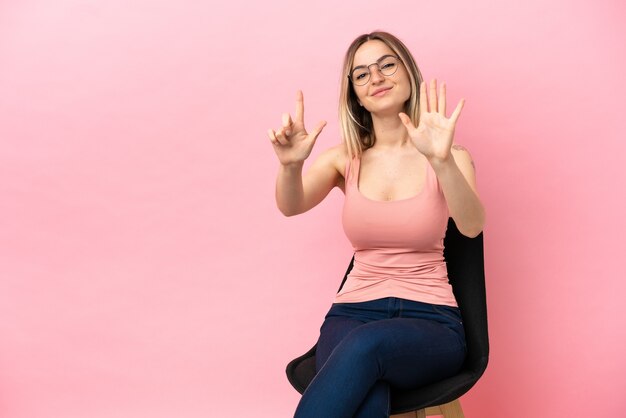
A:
(343, 382)
(376, 403)
(334, 329)
(340, 321)
(369, 348)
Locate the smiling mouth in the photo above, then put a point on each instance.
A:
(381, 92)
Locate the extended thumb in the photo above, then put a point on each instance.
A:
(405, 119)
(318, 129)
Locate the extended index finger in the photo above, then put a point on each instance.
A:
(300, 107)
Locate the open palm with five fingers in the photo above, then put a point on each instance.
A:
(434, 134)
(291, 142)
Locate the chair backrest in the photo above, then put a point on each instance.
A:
(466, 272)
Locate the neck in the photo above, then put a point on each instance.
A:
(390, 132)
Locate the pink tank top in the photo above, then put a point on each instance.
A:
(398, 244)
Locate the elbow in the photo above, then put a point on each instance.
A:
(288, 212)
(285, 212)
(472, 231)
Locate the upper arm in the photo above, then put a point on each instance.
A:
(463, 160)
(323, 175)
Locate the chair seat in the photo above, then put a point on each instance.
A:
(301, 371)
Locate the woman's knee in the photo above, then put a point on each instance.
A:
(332, 333)
(363, 342)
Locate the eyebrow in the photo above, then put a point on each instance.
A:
(377, 61)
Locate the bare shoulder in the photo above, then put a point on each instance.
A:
(336, 156)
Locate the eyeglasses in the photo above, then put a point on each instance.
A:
(387, 65)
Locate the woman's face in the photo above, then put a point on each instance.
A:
(381, 94)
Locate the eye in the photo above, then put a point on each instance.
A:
(359, 75)
(388, 65)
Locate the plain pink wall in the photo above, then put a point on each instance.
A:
(144, 267)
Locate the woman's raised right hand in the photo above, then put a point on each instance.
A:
(291, 142)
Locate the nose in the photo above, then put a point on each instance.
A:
(376, 76)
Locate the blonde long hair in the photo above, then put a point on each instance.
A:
(356, 122)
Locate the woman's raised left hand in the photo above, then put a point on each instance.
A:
(434, 134)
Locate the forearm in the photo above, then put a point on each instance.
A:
(289, 189)
(464, 204)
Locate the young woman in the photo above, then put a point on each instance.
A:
(395, 321)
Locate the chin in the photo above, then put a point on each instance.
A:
(390, 110)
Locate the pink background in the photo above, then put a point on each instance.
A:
(145, 269)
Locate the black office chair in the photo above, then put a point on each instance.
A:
(465, 262)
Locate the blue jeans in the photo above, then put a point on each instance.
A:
(366, 347)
